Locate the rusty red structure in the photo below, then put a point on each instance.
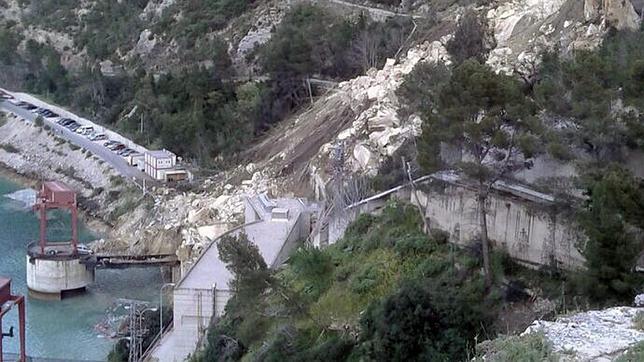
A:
(7, 302)
(56, 195)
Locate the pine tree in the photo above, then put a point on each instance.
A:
(491, 122)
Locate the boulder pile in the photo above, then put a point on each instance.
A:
(525, 28)
(378, 131)
(592, 335)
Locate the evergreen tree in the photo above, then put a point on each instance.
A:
(489, 120)
(613, 220)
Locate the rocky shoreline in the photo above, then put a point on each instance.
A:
(29, 154)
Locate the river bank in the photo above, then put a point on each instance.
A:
(33, 181)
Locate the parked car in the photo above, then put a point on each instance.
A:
(26, 105)
(117, 147)
(85, 130)
(125, 152)
(74, 126)
(97, 137)
(109, 143)
(65, 121)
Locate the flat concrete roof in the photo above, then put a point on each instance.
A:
(160, 153)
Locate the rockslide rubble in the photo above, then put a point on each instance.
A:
(185, 222)
(378, 131)
(593, 335)
(524, 28)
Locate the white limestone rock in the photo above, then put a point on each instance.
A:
(592, 335)
(362, 155)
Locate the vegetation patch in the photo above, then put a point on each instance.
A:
(634, 354)
(386, 291)
(638, 321)
(531, 347)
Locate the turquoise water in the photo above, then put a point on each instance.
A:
(62, 329)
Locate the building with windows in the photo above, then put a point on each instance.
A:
(158, 163)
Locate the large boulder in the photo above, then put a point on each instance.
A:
(620, 14)
(362, 155)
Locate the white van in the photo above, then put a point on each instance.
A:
(85, 130)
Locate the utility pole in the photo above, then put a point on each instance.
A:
(407, 169)
(133, 332)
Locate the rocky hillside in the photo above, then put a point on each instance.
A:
(362, 116)
(355, 128)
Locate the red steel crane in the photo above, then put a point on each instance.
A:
(56, 195)
(7, 302)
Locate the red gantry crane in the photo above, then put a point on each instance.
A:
(56, 195)
(7, 302)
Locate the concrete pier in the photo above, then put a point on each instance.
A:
(56, 272)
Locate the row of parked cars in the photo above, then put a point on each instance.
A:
(74, 126)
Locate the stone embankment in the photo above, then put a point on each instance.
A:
(35, 152)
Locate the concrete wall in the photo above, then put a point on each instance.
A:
(193, 310)
(196, 302)
(339, 223)
(55, 276)
(530, 231)
(299, 232)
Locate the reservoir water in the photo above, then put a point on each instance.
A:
(64, 329)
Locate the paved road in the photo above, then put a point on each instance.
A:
(117, 162)
(377, 12)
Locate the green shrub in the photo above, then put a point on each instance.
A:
(614, 207)
(408, 326)
(39, 121)
(314, 269)
(533, 347)
(633, 354)
(9, 41)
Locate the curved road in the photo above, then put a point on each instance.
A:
(117, 162)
